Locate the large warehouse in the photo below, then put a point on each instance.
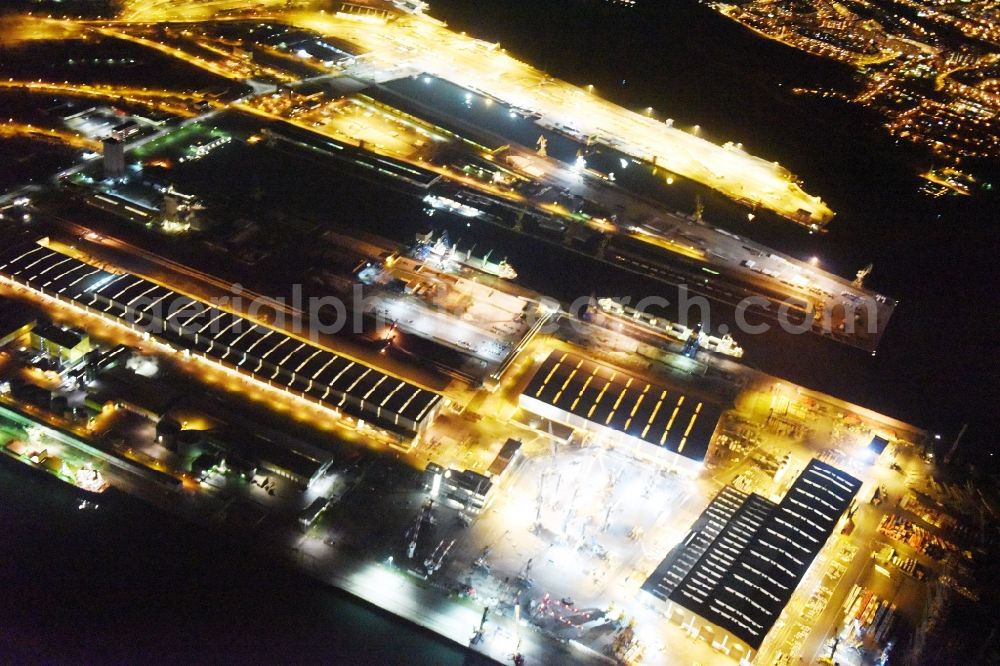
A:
(735, 571)
(634, 413)
(268, 355)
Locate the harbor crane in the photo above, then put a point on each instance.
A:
(413, 534)
(859, 277)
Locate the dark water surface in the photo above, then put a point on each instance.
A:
(129, 584)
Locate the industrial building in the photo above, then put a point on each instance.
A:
(734, 572)
(114, 158)
(66, 344)
(651, 420)
(471, 490)
(467, 489)
(507, 459)
(126, 130)
(298, 367)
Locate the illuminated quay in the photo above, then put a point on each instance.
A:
(396, 44)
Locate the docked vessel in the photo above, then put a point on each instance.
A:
(446, 256)
(720, 345)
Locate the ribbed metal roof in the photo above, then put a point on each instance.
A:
(745, 555)
(618, 400)
(269, 354)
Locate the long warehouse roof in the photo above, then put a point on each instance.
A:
(269, 354)
(751, 555)
(732, 515)
(612, 398)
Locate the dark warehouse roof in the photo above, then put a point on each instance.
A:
(745, 556)
(270, 355)
(609, 397)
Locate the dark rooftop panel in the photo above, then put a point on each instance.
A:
(615, 399)
(270, 354)
(740, 565)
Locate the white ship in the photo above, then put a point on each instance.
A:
(720, 345)
(442, 254)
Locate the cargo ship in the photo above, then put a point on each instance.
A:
(446, 256)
